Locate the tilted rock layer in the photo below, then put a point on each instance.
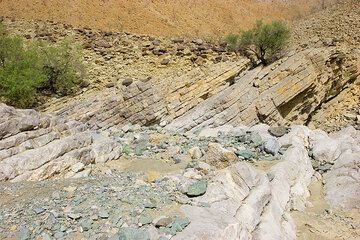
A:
(35, 146)
(289, 90)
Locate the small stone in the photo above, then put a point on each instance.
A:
(133, 234)
(246, 154)
(270, 176)
(271, 146)
(24, 233)
(86, 224)
(177, 159)
(325, 167)
(58, 235)
(195, 153)
(181, 222)
(165, 61)
(278, 131)
(55, 195)
(103, 214)
(110, 84)
(39, 210)
(256, 139)
(197, 189)
(45, 236)
(127, 82)
(74, 216)
(144, 219)
(77, 167)
(162, 221)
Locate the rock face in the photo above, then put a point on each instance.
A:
(145, 104)
(35, 146)
(342, 182)
(288, 90)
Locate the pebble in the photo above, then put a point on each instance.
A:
(74, 216)
(278, 131)
(162, 221)
(24, 233)
(197, 189)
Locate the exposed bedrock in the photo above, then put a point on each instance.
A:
(289, 90)
(246, 203)
(35, 146)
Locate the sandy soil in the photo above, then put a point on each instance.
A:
(160, 17)
(319, 222)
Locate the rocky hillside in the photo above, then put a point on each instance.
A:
(178, 138)
(166, 18)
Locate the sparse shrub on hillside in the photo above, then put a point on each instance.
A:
(63, 66)
(232, 41)
(26, 72)
(21, 71)
(264, 41)
(261, 44)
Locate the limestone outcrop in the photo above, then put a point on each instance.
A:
(289, 90)
(246, 203)
(35, 146)
(342, 181)
(145, 104)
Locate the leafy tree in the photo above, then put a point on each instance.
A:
(264, 41)
(21, 72)
(26, 71)
(63, 66)
(232, 42)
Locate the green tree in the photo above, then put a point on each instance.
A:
(264, 41)
(63, 66)
(232, 42)
(21, 71)
(28, 70)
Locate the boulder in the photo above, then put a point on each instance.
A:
(218, 156)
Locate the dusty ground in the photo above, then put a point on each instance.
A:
(166, 18)
(318, 222)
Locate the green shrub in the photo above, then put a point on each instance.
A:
(63, 67)
(21, 72)
(26, 72)
(265, 41)
(232, 42)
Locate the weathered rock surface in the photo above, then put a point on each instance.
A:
(245, 204)
(342, 182)
(289, 90)
(143, 103)
(35, 146)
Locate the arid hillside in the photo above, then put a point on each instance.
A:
(161, 17)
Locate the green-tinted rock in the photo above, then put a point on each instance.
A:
(144, 219)
(24, 233)
(133, 234)
(247, 154)
(126, 150)
(256, 139)
(197, 189)
(180, 223)
(86, 224)
(167, 230)
(139, 150)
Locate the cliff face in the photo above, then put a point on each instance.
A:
(184, 17)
